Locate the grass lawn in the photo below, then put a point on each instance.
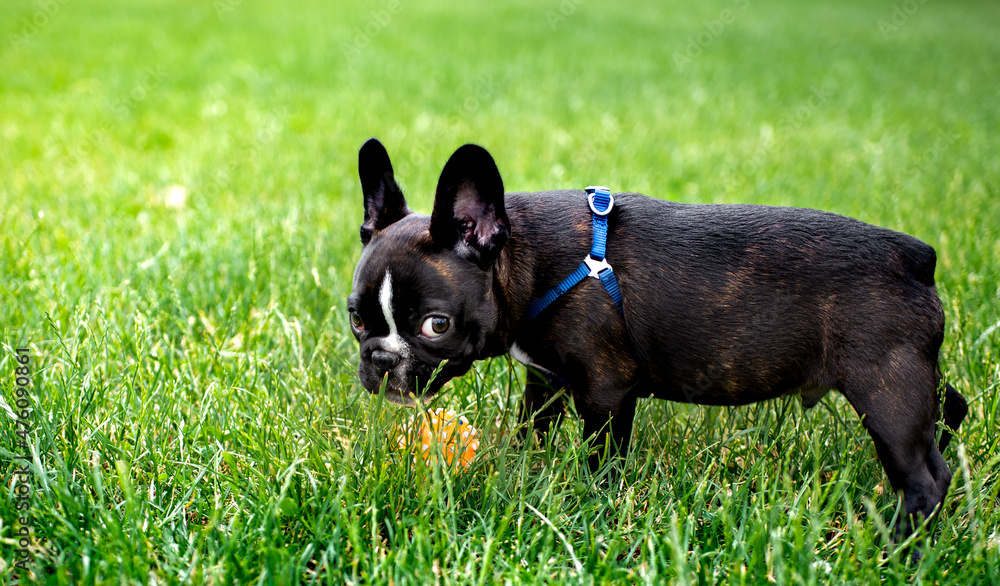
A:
(179, 206)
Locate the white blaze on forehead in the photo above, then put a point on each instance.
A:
(393, 342)
(385, 300)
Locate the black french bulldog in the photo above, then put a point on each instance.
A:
(721, 305)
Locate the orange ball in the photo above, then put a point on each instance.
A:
(452, 432)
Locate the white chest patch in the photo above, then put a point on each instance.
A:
(521, 356)
(517, 354)
(393, 342)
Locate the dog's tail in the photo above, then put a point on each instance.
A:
(955, 409)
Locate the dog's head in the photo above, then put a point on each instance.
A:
(421, 304)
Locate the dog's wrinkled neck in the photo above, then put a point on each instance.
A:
(499, 341)
(512, 286)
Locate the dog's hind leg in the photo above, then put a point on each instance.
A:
(955, 409)
(897, 400)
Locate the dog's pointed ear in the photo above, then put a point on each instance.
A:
(469, 212)
(383, 199)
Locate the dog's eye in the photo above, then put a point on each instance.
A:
(434, 326)
(356, 322)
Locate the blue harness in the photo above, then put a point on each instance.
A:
(595, 265)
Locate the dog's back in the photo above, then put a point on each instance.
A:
(751, 302)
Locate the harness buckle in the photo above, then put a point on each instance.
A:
(596, 266)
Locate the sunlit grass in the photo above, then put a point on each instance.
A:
(178, 228)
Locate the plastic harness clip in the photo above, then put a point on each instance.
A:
(595, 265)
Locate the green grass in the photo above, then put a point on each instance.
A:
(197, 413)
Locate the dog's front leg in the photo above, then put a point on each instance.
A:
(610, 432)
(541, 408)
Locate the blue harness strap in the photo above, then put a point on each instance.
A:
(595, 265)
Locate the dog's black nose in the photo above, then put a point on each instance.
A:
(385, 361)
